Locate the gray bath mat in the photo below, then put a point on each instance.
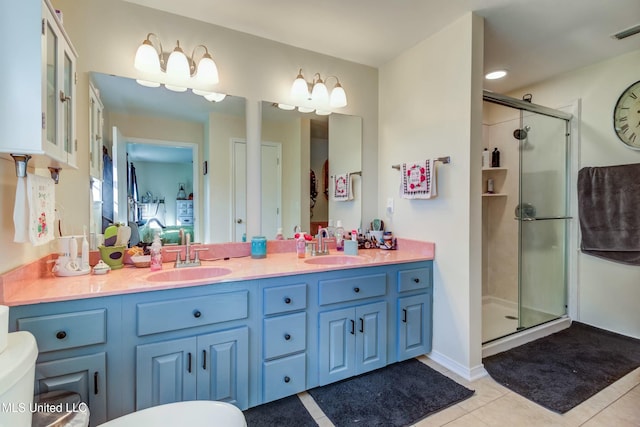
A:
(397, 395)
(288, 411)
(562, 370)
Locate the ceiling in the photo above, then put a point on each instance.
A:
(533, 39)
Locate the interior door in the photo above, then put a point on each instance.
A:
(271, 183)
(239, 191)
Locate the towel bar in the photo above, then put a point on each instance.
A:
(445, 160)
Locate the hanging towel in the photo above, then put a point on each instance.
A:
(342, 187)
(608, 206)
(418, 180)
(34, 211)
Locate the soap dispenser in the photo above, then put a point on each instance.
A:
(156, 253)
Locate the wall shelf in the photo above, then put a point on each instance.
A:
(494, 195)
(494, 169)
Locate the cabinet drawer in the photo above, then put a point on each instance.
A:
(284, 377)
(410, 280)
(285, 335)
(353, 288)
(282, 299)
(68, 330)
(163, 316)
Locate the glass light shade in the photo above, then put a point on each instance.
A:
(498, 74)
(286, 107)
(338, 97)
(201, 92)
(178, 66)
(176, 88)
(148, 83)
(299, 89)
(147, 58)
(320, 94)
(323, 112)
(207, 71)
(305, 109)
(215, 97)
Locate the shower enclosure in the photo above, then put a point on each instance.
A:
(525, 217)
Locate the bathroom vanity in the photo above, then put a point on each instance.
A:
(270, 329)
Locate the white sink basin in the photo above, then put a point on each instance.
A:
(188, 274)
(335, 260)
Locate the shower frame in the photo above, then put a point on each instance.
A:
(523, 107)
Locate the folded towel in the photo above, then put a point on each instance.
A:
(34, 211)
(418, 180)
(608, 205)
(342, 187)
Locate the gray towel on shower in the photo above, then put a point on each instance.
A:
(609, 209)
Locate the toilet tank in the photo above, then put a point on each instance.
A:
(17, 375)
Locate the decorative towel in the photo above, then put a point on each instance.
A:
(342, 187)
(608, 205)
(34, 211)
(418, 180)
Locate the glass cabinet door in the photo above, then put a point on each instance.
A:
(67, 98)
(50, 114)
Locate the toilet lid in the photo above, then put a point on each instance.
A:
(16, 360)
(194, 413)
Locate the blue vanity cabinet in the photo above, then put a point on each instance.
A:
(415, 301)
(213, 366)
(77, 349)
(284, 337)
(191, 343)
(352, 339)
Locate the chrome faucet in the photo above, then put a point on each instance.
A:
(188, 262)
(322, 246)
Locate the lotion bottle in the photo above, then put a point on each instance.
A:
(156, 253)
(301, 246)
(339, 234)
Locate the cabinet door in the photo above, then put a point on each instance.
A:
(223, 367)
(96, 121)
(51, 88)
(85, 375)
(414, 326)
(165, 372)
(337, 345)
(67, 107)
(371, 337)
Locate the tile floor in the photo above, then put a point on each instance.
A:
(495, 405)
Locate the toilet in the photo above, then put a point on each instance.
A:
(17, 374)
(193, 413)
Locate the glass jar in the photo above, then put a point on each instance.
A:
(258, 247)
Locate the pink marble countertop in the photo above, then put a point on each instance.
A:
(34, 283)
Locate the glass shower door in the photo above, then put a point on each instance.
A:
(542, 215)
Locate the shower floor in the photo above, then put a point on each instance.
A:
(500, 318)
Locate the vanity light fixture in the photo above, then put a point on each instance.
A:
(180, 71)
(314, 95)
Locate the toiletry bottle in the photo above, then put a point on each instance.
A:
(156, 253)
(301, 245)
(354, 235)
(486, 158)
(495, 158)
(279, 235)
(339, 234)
(330, 228)
(85, 251)
(490, 186)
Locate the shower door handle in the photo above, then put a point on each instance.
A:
(542, 218)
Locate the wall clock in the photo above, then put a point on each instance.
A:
(626, 116)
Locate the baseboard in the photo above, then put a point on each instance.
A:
(469, 374)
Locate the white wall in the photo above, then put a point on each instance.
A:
(431, 106)
(607, 293)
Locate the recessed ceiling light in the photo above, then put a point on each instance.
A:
(498, 74)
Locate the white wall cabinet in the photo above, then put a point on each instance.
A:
(37, 114)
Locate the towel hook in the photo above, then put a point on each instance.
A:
(55, 173)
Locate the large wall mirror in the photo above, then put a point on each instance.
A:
(171, 155)
(314, 150)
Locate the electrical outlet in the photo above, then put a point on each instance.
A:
(390, 205)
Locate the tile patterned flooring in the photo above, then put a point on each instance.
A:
(495, 405)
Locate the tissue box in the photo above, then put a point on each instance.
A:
(350, 247)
